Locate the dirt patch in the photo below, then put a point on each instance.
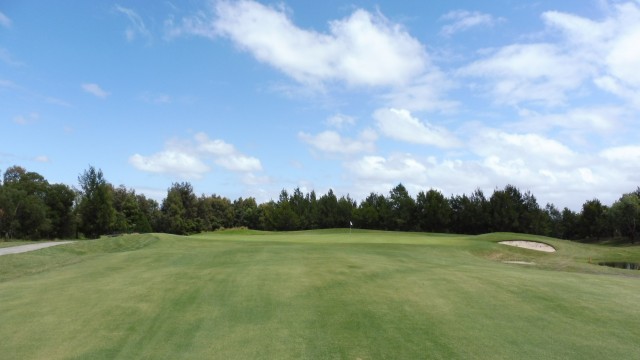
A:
(531, 245)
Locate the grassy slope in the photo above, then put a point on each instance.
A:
(324, 294)
(4, 244)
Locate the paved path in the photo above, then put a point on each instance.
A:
(30, 247)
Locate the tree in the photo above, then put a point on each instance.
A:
(366, 216)
(346, 207)
(570, 224)
(24, 212)
(286, 219)
(470, 214)
(246, 213)
(328, 210)
(13, 174)
(553, 221)
(532, 217)
(215, 212)
(97, 214)
(314, 211)
(150, 214)
(180, 210)
(267, 215)
(506, 209)
(625, 215)
(433, 211)
(126, 207)
(403, 208)
(593, 220)
(60, 199)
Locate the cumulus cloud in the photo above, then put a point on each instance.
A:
(550, 169)
(611, 42)
(529, 150)
(226, 155)
(623, 155)
(604, 53)
(595, 119)
(364, 49)
(399, 124)
(333, 143)
(171, 161)
(388, 170)
(462, 20)
(187, 160)
(540, 73)
(95, 90)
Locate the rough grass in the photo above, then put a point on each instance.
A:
(11, 243)
(241, 294)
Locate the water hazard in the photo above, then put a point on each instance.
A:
(621, 265)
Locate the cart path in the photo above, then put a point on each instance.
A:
(30, 247)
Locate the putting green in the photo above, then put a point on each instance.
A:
(318, 295)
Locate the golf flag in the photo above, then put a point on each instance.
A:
(350, 223)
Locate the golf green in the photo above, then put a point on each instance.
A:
(318, 295)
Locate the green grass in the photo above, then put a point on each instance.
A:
(11, 243)
(328, 294)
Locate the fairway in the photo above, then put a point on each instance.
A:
(318, 295)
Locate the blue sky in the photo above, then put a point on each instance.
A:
(245, 98)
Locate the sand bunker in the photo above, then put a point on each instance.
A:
(531, 245)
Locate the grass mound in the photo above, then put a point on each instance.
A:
(317, 295)
(18, 265)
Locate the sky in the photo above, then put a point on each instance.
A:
(246, 98)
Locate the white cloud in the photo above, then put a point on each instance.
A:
(399, 124)
(596, 119)
(550, 170)
(463, 20)
(240, 163)
(331, 142)
(95, 90)
(363, 49)
(623, 155)
(137, 26)
(528, 150)
(226, 155)
(186, 159)
(392, 170)
(215, 147)
(340, 120)
(5, 21)
(539, 73)
(610, 43)
(171, 161)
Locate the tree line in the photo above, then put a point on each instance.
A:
(31, 208)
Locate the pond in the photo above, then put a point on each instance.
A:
(621, 265)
